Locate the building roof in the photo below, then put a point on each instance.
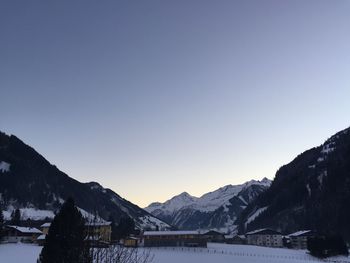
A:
(41, 237)
(46, 225)
(212, 232)
(27, 230)
(169, 233)
(264, 231)
(133, 238)
(300, 233)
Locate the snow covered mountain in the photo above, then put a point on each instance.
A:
(29, 182)
(214, 210)
(310, 192)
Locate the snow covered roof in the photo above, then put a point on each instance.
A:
(28, 230)
(169, 233)
(237, 237)
(41, 237)
(211, 232)
(46, 225)
(263, 231)
(299, 233)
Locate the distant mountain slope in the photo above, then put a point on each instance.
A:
(30, 182)
(214, 210)
(311, 192)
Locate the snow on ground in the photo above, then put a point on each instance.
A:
(217, 253)
(19, 253)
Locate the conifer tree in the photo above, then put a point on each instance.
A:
(125, 227)
(65, 239)
(16, 217)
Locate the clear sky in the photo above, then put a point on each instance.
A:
(153, 98)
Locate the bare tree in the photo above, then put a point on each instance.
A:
(112, 253)
(120, 254)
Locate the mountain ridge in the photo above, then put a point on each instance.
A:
(216, 209)
(310, 192)
(29, 181)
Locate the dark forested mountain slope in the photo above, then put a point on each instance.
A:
(311, 192)
(30, 182)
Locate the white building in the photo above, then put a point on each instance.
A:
(299, 239)
(21, 234)
(264, 237)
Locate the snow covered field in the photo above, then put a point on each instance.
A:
(18, 253)
(218, 253)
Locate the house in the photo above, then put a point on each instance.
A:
(235, 239)
(131, 242)
(214, 236)
(96, 232)
(40, 240)
(99, 231)
(173, 239)
(298, 240)
(14, 234)
(45, 228)
(264, 237)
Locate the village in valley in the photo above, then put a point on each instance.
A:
(253, 246)
(99, 233)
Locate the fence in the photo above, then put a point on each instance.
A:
(247, 254)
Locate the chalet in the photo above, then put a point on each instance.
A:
(14, 234)
(45, 228)
(264, 237)
(99, 231)
(40, 240)
(173, 239)
(96, 232)
(131, 242)
(214, 236)
(298, 240)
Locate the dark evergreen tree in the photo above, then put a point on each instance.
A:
(125, 227)
(16, 217)
(327, 246)
(65, 240)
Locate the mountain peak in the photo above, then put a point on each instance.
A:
(184, 195)
(218, 208)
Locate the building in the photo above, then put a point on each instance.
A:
(298, 240)
(40, 240)
(14, 234)
(264, 237)
(131, 242)
(173, 239)
(45, 228)
(214, 236)
(99, 231)
(235, 239)
(96, 232)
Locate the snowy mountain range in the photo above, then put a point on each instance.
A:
(214, 210)
(36, 187)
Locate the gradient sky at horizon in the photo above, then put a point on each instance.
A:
(153, 98)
